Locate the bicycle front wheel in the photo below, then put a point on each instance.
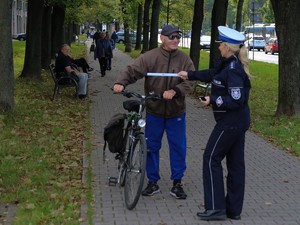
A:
(135, 173)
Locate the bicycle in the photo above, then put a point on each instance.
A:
(206, 87)
(132, 161)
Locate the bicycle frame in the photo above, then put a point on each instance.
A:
(132, 162)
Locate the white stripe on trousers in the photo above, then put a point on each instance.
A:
(210, 171)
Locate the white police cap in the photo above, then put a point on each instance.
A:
(229, 35)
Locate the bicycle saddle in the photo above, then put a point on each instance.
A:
(131, 105)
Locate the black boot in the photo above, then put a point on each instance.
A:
(212, 215)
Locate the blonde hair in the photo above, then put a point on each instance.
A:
(242, 52)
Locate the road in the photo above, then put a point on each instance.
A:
(261, 56)
(258, 55)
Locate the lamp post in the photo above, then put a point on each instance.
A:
(253, 22)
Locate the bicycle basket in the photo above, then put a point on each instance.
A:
(114, 133)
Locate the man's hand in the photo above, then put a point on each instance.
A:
(169, 94)
(118, 88)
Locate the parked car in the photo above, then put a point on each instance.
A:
(271, 46)
(188, 34)
(205, 42)
(256, 42)
(20, 37)
(121, 37)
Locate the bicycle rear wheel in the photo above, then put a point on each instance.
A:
(135, 173)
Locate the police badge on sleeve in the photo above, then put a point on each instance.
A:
(236, 93)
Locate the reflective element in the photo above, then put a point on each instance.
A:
(142, 123)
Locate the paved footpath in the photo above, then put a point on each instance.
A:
(272, 176)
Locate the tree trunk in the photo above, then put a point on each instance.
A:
(239, 15)
(146, 26)
(68, 33)
(6, 58)
(32, 62)
(287, 31)
(154, 24)
(127, 38)
(139, 28)
(196, 28)
(218, 18)
(58, 18)
(46, 37)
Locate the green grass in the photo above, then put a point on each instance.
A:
(281, 131)
(41, 144)
(284, 131)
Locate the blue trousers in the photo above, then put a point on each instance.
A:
(175, 128)
(222, 143)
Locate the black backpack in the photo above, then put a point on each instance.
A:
(114, 133)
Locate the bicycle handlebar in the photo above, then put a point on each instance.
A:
(130, 94)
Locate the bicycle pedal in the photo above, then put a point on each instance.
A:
(112, 181)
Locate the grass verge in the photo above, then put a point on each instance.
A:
(41, 147)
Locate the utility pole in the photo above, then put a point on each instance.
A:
(253, 7)
(253, 22)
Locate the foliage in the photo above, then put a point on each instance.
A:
(180, 13)
(267, 12)
(102, 11)
(41, 150)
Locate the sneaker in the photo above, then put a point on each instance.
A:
(177, 191)
(91, 69)
(151, 189)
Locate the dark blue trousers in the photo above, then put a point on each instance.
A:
(229, 143)
(175, 128)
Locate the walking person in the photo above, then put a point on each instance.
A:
(103, 51)
(112, 43)
(229, 99)
(114, 36)
(163, 115)
(96, 36)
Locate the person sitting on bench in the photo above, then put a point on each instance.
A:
(63, 63)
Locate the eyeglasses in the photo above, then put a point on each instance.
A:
(173, 36)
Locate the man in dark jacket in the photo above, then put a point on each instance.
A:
(168, 114)
(115, 37)
(63, 63)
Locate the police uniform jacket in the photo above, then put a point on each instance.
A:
(229, 93)
(159, 60)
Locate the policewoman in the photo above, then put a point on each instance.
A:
(229, 100)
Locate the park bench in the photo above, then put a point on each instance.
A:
(65, 80)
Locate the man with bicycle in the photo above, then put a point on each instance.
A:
(168, 114)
